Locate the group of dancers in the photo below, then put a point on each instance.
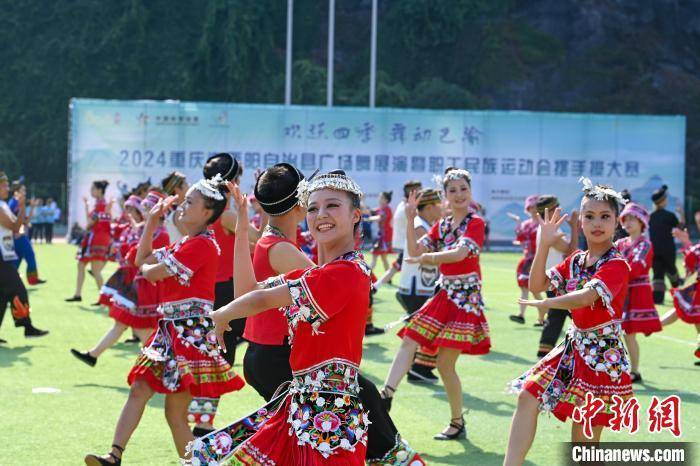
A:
(196, 276)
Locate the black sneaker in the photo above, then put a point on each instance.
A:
(422, 375)
(2, 341)
(518, 319)
(636, 377)
(386, 403)
(370, 329)
(201, 431)
(74, 299)
(133, 339)
(86, 357)
(32, 332)
(538, 324)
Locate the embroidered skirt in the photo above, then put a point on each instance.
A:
(182, 354)
(686, 300)
(319, 420)
(592, 360)
(453, 318)
(640, 315)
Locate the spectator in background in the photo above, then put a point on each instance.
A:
(51, 214)
(37, 226)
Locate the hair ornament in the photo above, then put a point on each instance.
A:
(600, 193)
(210, 188)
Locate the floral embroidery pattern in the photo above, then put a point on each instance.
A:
(194, 329)
(450, 238)
(401, 454)
(304, 307)
(464, 291)
(325, 411)
(602, 350)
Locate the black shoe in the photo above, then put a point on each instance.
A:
(94, 460)
(133, 339)
(2, 341)
(31, 331)
(636, 377)
(518, 319)
(86, 357)
(96, 304)
(387, 396)
(538, 324)
(460, 433)
(39, 281)
(201, 431)
(74, 299)
(541, 354)
(422, 374)
(372, 330)
(697, 363)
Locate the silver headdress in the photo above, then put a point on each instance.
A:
(600, 193)
(328, 181)
(453, 174)
(210, 188)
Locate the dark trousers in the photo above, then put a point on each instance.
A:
(266, 367)
(553, 325)
(664, 264)
(223, 294)
(13, 293)
(48, 232)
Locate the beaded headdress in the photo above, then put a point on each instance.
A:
(600, 193)
(336, 181)
(210, 188)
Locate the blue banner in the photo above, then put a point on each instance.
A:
(511, 154)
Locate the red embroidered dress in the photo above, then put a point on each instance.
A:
(118, 289)
(592, 358)
(182, 354)
(686, 300)
(639, 314)
(319, 420)
(454, 317)
(386, 232)
(144, 313)
(95, 244)
(526, 235)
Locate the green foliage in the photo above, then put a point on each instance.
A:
(431, 54)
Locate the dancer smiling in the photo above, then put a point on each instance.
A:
(592, 359)
(453, 320)
(180, 359)
(326, 320)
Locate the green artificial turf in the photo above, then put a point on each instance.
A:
(59, 428)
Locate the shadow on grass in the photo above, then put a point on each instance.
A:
(645, 388)
(471, 455)
(376, 352)
(498, 356)
(11, 356)
(155, 401)
(474, 403)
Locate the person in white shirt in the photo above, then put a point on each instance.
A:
(418, 281)
(175, 184)
(554, 322)
(398, 241)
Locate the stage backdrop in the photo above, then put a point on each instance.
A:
(510, 154)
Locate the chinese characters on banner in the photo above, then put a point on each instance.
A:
(510, 154)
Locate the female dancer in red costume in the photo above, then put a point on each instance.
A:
(134, 300)
(95, 245)
(319, 420)
(592, 358)
(453, 320)
(526, 236)
(640, 314)
(181, 358)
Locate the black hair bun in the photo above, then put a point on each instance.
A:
(449, 169)
(222, 163)
(337, 172)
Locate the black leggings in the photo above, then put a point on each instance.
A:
(553, 325)
(664, 264)
(266, 367)
(223, 294)
(12, 292)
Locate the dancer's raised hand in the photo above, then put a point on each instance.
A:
(550, 231)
